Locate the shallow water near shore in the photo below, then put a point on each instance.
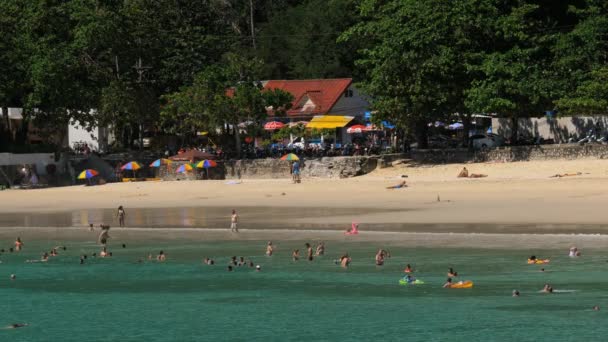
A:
(183, 300)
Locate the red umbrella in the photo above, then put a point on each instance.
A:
(273, 125)
(356, 129)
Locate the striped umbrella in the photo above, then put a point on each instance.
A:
(159, 162)
(205, 164)
(184, 168)
(290, 156)
(133, 166)
(273, 125)
(88, 174)
(356, 129)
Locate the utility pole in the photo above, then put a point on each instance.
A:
(251, 21)
(140, 69)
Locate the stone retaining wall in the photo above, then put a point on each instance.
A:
(509, 154)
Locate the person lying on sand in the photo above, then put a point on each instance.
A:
(398, 186)
(465, 174)
(558, 175)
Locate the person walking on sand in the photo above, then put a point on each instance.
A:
(234, 219)
(121, 216)
(296, 172)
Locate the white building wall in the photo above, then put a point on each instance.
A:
(78, 133)
(356, 105)
(559, 129)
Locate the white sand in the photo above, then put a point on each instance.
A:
(519, 192)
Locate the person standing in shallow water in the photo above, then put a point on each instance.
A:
(121, 216)
(308, 252)
(18, 244)
(234, 219)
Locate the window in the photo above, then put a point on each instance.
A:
(348, 93)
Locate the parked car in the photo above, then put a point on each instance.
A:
(486, 140)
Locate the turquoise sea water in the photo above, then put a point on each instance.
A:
(118, 299)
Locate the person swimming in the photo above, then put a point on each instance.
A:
(161, 256)
(515, 293)
(308, 251)
(269, 248)
(547, 289)
(452, 273)
(409, 279)
(295, 255)
(18, 244)
(320, 249)
(408, 269)
(380, 257)
(345, 260)
(104, 253)
(574, 252)
(16, 325)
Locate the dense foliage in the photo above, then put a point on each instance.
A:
(165, 65)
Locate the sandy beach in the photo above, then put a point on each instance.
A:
(519, 193)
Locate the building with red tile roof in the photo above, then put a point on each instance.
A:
(321, 97)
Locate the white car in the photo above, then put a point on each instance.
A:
(489, 140)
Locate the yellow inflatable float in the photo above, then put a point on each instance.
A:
(467, 284)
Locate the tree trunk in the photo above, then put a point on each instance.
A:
(514, 129)
(421, 132)
(237, 140)
(7, 125)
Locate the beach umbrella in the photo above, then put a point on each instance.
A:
(455, 126)
(273, 125)
(133, 166)
(356, 129)
(159, 162)
(205, 164)
(290, 157)
(184, 168)
(88, 174)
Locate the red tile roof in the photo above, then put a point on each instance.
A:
(323, 93)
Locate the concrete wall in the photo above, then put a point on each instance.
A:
(559, 129)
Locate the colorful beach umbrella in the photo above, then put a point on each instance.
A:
(356, 129)
(88, 174)
(290, 156)
(133, 166)
(184, 168)
(159, 162)
(273, 125)
(205, 164)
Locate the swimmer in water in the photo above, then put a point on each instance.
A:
(320, 249)
(345, 260)
(515, 293)
(408, 269)
(452, 273)
(258, 268)
(295, 255)
(380, 257)
(104, 236)
(596, 308)
(269, 248)
(18, 244)
(16, 325)
(103, 253)
(547, 289)
(161, 256)
(308, 251)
